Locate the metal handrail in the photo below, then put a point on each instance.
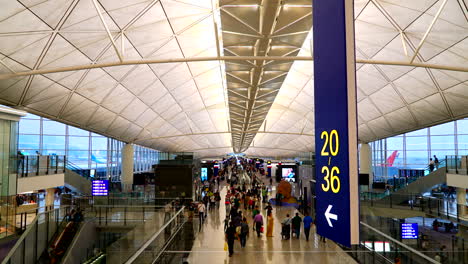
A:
(144, 246)
(427, 258)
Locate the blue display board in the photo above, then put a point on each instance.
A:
(100, 187)
(409, 231)
(204, 174)
(337, 201)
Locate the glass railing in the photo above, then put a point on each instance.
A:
(457, 164)
(36, 237)
(177, 250)
(122, 214)
(128, 199)
(15, 219)
(146, 242)
(445, 208)
(32, 165)
(430, 239)
(461, 254)
(133, 218)
(397, 183)
(39, 232)
(378, 247)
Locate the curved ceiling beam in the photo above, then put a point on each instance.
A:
(222, 58)
(225, 132)
(256, 147)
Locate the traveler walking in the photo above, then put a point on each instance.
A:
(286, 228)
(322, 239)
(264, 194)
(237, 220)
(258, 220)
(296, 225)
(230, 237)
(270, 224)
(431, 165)
(201, 213)
(244, 232)
(307, 224)
(436, 162)
(269, 208)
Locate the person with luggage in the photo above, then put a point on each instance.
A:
(258, 221)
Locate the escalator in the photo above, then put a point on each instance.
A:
(60, 242)
(420, 186)
(399, 189)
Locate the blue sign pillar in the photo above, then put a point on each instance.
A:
(337, 207)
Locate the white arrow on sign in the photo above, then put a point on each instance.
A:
(329, 215)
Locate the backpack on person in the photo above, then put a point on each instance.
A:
(244, 228)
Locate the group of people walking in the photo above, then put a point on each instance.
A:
(248, 209)
(293, 226)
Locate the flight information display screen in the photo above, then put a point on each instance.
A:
(409, 231)
(100, 187)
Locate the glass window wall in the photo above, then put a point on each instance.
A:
(84, 149)
(414, 149)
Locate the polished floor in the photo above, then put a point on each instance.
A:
(209, 244)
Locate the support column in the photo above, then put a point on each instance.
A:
(461, 201)
(365, 161)
(127, 167)
(50, 198)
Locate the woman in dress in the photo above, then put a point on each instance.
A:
(270, 224)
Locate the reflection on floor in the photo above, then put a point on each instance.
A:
(209, 245)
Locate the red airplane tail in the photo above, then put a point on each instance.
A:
(392, 158)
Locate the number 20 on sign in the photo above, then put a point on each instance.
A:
(331, 147)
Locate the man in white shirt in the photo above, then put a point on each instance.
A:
(201, 213)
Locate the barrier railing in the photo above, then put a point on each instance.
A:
(152, 249)
(457, 164)
(34, 165)
(36, 237)
(388, 251)
(445, 208)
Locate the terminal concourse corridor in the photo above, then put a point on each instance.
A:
(209, 245)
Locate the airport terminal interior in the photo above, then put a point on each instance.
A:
(233, 131)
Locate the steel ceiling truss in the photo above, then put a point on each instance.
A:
(259, 28)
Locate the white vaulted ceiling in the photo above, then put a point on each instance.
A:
(264, 107)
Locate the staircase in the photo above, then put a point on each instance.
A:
(77, 179)
(77, 183)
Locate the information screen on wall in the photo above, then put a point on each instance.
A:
(204, 174)
(100, 187)
(288, 174)
(409, 231)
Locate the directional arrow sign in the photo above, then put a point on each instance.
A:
(329, 215)
(335, 110)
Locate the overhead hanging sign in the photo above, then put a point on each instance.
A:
(337, 201)
(100, 187)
